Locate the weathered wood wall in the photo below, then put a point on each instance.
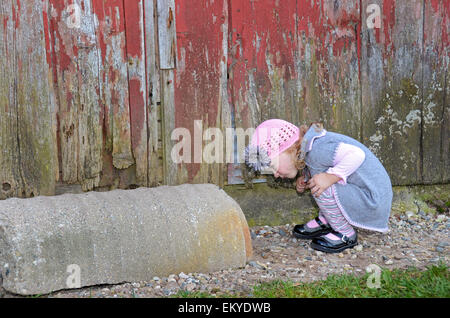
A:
(91, 90)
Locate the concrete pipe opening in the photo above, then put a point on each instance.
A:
(76, 240)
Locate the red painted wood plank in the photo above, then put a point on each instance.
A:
(134, 30)
(199, 76)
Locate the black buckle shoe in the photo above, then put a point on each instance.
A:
(301, 231)
(323, 245)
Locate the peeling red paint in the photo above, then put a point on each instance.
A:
(106, 12)
(63, 56)
(388, 17)
(47, 38)
(16, 14)
(445, 26)
(133, 16)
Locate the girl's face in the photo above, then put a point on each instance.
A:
(283, 165)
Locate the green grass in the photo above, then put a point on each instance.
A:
(410, 283)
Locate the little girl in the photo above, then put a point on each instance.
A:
(349, 184)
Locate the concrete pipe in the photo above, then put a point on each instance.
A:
(75, 240)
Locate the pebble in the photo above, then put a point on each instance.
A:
(257, 265)
(183, 275)
(389, 262)
(410, 214)
(358, 248)
(190, 287)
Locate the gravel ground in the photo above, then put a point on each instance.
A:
(415, 240)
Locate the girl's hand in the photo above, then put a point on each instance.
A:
(320, 182)
(301, 184)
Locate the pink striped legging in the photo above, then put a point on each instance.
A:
(331, 212)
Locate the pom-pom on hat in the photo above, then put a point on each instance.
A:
(270, 138)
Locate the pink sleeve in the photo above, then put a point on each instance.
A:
(348, 158)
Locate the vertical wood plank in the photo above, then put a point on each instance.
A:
(155, 155)
(134, 17)
(90, 111)
(76, 59)
(225, 94)
(435, 68)
(34, 100)
(445, 128)
(200, 86)
(391, 79)
(114, 79)
(166, 28)
(11, 184)
(64, 66)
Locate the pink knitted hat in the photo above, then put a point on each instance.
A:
(270, 138)
(275, 136)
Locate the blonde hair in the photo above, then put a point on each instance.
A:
(295, 149)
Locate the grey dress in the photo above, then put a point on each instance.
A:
(366, 199)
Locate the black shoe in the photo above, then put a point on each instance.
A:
(302, 232)
(324, 245)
